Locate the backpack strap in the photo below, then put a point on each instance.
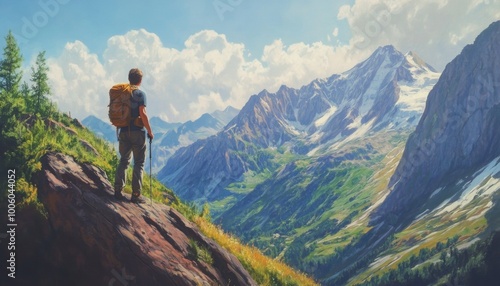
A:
(132, 89)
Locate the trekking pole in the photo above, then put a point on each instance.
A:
(150, 172)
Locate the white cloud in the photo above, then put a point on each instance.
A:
(335, 32)
(76, 79)
(209, 73)
(212, 101)
(299, 63)
(435, 29)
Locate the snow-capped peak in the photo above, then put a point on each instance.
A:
(413, 59)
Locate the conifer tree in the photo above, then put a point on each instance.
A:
(26, 95)
(40, 87)
(10, 66)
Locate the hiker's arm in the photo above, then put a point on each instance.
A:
(145, 120)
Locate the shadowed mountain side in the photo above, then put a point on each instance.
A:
(458, 131)
(447, 171)
(101, 240)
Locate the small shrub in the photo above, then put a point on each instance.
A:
(200, 253)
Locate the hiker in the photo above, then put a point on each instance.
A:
(132, 140)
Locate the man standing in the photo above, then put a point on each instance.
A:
(132, 140)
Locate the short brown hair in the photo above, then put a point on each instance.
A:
(135, 76)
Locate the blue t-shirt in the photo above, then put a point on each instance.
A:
(138, 99)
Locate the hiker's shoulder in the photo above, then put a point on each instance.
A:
(139, 94)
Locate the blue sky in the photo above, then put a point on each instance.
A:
(203, 55)
(255, 23)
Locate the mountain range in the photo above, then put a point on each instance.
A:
(385, 92)
(350, 174)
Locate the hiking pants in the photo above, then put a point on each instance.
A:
(131, 142)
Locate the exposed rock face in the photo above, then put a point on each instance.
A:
(458, 131)
(102, 240)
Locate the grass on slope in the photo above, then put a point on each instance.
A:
(273, 158)
(67, 138)
(359, 190)
(264, 270)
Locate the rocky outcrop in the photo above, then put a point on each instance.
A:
(89, 147)
(77, 123)
(100, 240)
(458, 131)
(30, 120)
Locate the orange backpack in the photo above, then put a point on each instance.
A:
(120, 100)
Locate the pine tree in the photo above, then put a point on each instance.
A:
(25, 89)
(10, 66)
(26, 95)
(40, 88)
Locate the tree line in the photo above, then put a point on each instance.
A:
(34, 97)
(474, 265)
(19, 101)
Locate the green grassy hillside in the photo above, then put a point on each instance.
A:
(340, 189)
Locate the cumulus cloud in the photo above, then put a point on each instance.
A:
(299, 63)
(436, 29)
(209, 73)
(77, 79)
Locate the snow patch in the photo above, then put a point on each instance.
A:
(323, 119)
(436, 192)
(483, 184)
(413, 98)
(360, 131)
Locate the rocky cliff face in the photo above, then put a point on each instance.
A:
(94, 239)
(458, 131)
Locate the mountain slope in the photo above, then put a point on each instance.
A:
(100, 128)
(188, 133)
(458, 130)
(306, 201)
(67, 217)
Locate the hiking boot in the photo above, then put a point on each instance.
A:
(137, 199)
(119, 196)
